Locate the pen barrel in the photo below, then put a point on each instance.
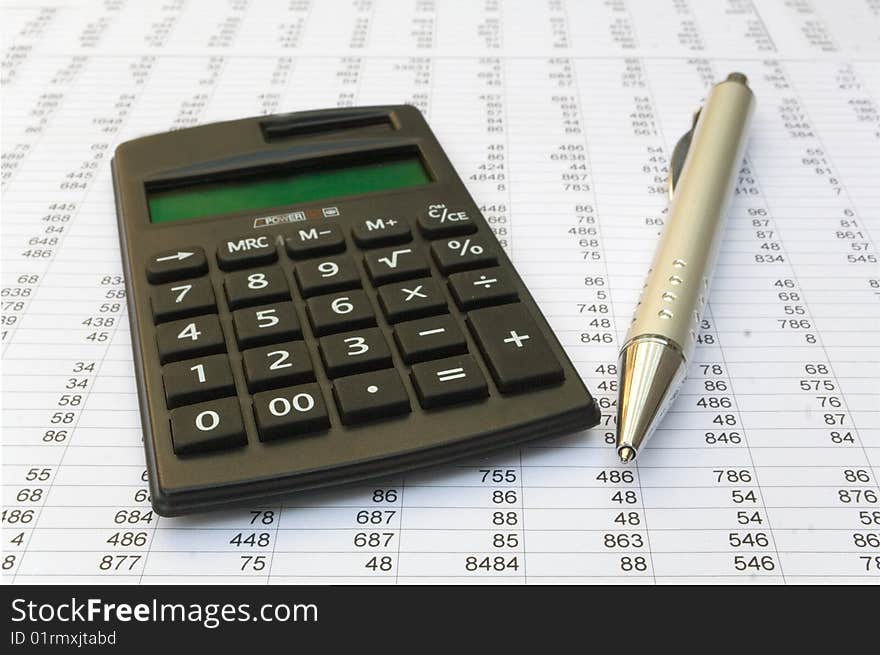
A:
(677, 286)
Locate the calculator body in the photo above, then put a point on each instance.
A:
(229, 227)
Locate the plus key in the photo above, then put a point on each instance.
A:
(514, 346)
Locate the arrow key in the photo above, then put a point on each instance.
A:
(172, 265)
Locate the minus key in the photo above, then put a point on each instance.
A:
(429, 338)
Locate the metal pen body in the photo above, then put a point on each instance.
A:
(661, 339)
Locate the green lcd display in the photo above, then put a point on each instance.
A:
(266, 192)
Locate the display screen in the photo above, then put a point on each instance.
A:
(269, 191)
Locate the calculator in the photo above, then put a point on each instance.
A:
(315, 299)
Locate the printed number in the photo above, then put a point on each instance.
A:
(190, 332)
(342, 305)
(379, 564)
(266, 318)
(633, 564)
(328, 269)
(253, 562)
(183, 289)
(200, 372)
(301, 402)
(257, 281)
(356, 346)
(207, 420)
(281, 361)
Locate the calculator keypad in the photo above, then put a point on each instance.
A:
(278, 366)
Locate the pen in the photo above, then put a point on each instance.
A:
(661, 339)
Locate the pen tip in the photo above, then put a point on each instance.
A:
(738, 77)
(626, 454)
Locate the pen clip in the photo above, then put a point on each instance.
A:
(679, 155)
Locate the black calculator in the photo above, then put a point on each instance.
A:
(315, 299)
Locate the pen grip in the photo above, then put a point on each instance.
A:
(677, 285)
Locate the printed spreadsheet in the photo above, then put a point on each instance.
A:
(560, 116)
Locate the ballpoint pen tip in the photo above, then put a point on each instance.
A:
(626, 454)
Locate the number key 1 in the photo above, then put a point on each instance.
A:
(197, 380)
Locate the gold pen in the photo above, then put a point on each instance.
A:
(662, 337)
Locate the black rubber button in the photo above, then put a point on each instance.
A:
(188, 338)
(514, 347)
(375, 232)
(429, 338)
(182, 299)
(355, 352)
(370, 396)
(403, 301)
(482, 288)
(326, 275)
(179, 264)
(290, 412)
(256, 287)
(449, 381)
(340, 312)
(258, 326)
(197, 380)
(213, 425)
(313, 240)
(278, 365)
(246, 251)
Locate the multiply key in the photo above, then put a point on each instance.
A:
(412, 299)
